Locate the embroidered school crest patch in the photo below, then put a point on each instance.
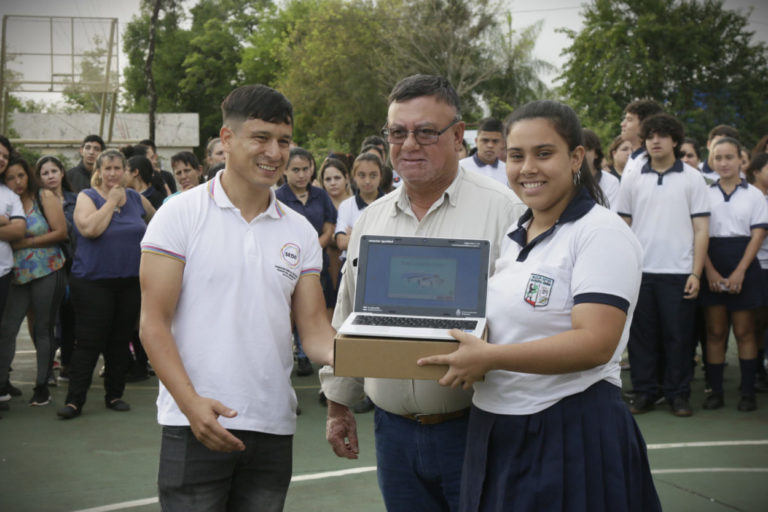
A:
(538, 290)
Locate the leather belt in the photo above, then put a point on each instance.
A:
(434, 419)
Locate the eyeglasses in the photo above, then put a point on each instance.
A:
(424, 136)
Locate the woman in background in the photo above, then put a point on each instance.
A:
(39, 280)
(110, 221)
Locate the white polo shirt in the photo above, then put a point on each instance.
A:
(737, 214)
(762, 254)
(10, 206)
(232, 324)
(661, 206)
(535, 287)
(349, 210)
(609, 184)
(497, 170)
(637, 159)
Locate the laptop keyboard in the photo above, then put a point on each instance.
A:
(404, 321)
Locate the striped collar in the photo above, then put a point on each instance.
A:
(219, 196)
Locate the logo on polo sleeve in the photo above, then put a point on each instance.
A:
(538, 290)
(290, 254)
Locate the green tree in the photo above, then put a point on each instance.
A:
(86, 93)
(517, 80)
(694, 57)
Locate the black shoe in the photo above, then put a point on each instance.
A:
(747, 403)
(713, 401)
(68, 412)
(40, 396)
(363, 406)
(681, 408)
(322, 399)
(303, 367)
(641, 403)
(298, 411)
(10, 389)
(118, 404)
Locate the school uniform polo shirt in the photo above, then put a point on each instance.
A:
(473, 206)
(232, 324)
(762, 254)
(609, 185)
(738, 213)
(661, 206)
(537, 284)
(637, 159)
(496, 170)
(11, 207)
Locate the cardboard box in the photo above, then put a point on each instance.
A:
(388, 358)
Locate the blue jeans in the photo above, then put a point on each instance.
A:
(419, 466)
(192, 477)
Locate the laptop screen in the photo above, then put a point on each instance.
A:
(422, 276)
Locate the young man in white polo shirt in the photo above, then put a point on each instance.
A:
(666, 204)
(634, 115)
(486, 160)
(222, 268)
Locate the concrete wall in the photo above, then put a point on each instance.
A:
(174, 132)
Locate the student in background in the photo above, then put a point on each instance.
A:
(488, 142)
(39, 278)
(718, 132)
(315, 205)
(80, 175)
(619, 155)
(140, 179)
(757, 175)
(634, 115)
(12, 227)
(737, 229)
(608, 183)
(665, 203)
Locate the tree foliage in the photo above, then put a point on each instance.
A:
(336, 60)
(694, 57)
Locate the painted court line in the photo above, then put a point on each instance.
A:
(708, 444)
(366, 469)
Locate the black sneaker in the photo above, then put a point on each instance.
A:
(303, 367)
(747, 403)
(40, 396)
(641, 403)
(68, 412)
(10, 389)
(681, 408)
(713, 401)
(119, 405)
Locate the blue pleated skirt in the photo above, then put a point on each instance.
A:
(583, 454)
(725, 254)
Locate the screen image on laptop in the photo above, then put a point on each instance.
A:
(420, 276)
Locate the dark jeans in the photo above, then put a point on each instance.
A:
(192, 477)
(107, 311)
(662, 326)
(419, 466)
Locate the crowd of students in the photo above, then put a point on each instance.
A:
(705, 263)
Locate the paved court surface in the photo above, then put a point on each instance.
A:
(102, 461)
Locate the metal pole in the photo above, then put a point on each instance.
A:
(106, 78)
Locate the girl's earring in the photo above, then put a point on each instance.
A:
(577, 178)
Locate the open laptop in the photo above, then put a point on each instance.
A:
(419, 288)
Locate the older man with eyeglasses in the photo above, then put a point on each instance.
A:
(420, 426)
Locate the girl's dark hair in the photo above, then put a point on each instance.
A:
(212, 170)
(755, 165)
(144, 166)
(566, 123)
(694, 144)
(664, 125)
(335, 163)
(724, 140)
(368, 157)
(592, 141)
(32, 184)
(7, 143)
(759, 147)
(50, 158)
